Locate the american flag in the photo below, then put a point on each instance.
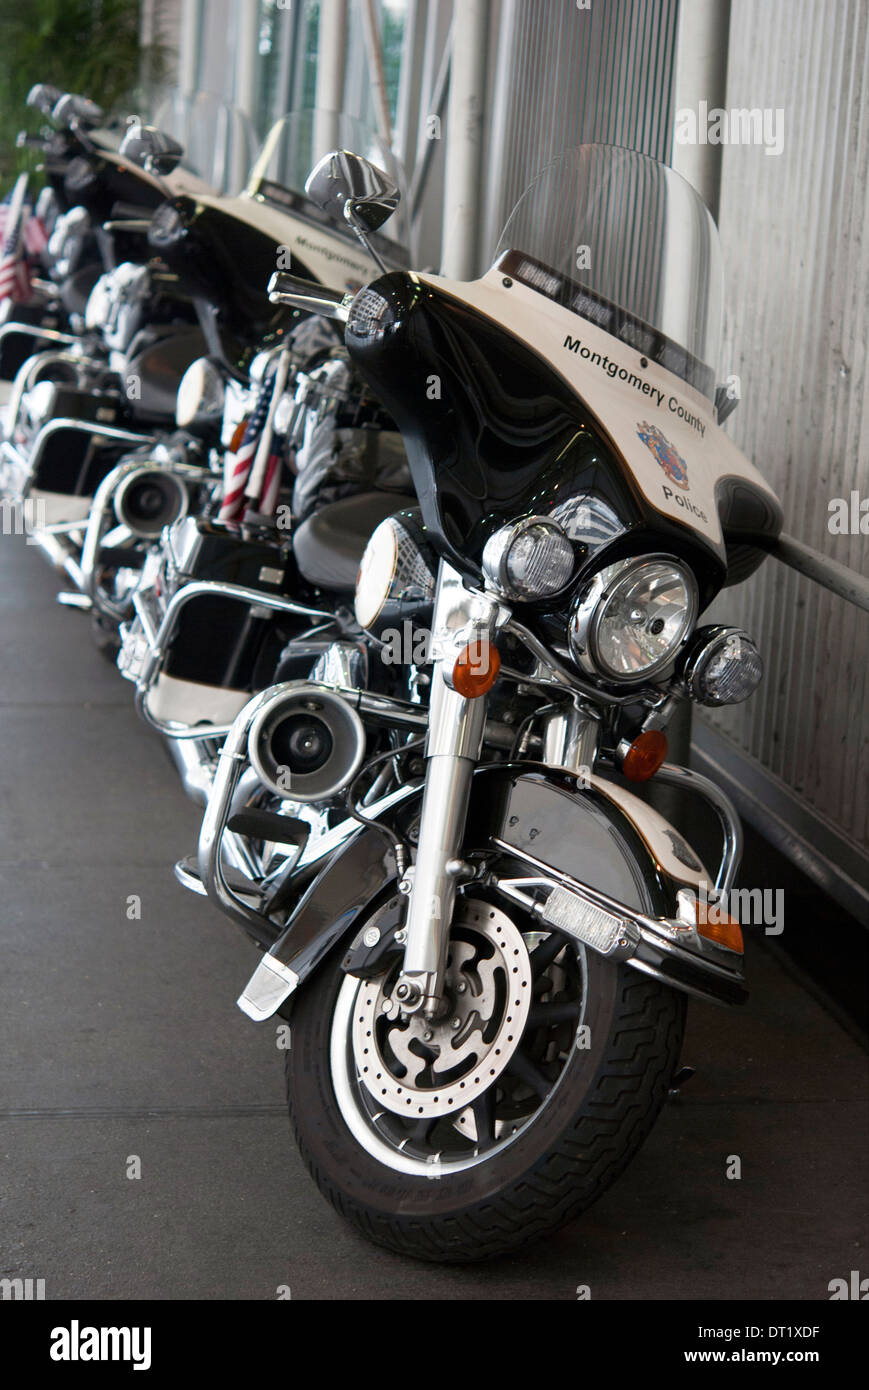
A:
(14, 274)
(35, 235)
(237, 465)
(271, 487)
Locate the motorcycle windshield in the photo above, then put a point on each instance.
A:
(219, 140)
(292, 148)
(627, 244)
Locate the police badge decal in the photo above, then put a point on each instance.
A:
(666, 454)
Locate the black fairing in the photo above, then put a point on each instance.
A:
(492, 433)
(98, 182)
(227, 262)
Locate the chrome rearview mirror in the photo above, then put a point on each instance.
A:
(151, 149)
(76, 111)
(344, 184)
(44, 97)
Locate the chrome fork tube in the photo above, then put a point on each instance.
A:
(455, 739)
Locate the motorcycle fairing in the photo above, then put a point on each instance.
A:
(330, 259)
(709, 479)
(603, 837)
(492, 433)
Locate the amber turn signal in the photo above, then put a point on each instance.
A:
(476, 669)
(645, 755)
(238, 435)
(725, 931)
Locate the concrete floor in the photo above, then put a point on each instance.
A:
(121, 1038)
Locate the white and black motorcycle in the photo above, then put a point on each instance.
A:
(481, 934)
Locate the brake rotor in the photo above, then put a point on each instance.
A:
(420, 1068)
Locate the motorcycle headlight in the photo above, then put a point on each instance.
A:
(630, 622)
(396, 579)
(200, 395)
(530, 559)
(722, 666)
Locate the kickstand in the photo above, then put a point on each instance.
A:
(678, 1079)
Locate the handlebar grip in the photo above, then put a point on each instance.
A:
(308, 295)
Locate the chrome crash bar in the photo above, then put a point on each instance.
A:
(158, 640)
(671, 949)
(102, 500)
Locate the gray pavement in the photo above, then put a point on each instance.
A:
(121, 1037)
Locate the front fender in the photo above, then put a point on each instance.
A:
(601, 836)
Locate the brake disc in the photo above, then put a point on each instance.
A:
(418, 1068)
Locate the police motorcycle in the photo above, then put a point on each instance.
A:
(480, 932)
(85, 183)
(108, 383)
(71, 261)
(196, 296)
(219, 596)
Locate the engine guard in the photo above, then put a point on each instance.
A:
(609, 855)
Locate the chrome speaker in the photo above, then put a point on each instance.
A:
(149, 499)
(307, 743)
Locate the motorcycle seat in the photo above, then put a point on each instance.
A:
(329, 544)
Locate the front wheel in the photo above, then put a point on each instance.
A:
(462, 1139)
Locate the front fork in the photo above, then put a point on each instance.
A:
(464, 622)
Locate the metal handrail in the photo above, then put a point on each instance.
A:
(830, 574)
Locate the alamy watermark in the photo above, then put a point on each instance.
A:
(22, 1290)
(750, 907)
(22, 518)
(739, 126)
(849, 516)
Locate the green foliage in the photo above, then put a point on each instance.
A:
(87, 46)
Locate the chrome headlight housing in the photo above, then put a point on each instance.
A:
(630, 622)
(722, 667)
(200, 397)
(396, 579)
(168, 227)
(529, 559)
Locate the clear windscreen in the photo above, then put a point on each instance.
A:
(628, 244)
(219, 140)
(297, 142)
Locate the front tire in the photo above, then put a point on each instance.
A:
(538, 1146)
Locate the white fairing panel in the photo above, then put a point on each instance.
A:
(664, 429)
(190, 702)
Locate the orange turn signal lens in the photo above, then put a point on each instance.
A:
(238, 435)
(645, 755)
(724, 930)
(476, 669)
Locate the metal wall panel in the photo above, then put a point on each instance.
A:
(797, 256)
(568, 75)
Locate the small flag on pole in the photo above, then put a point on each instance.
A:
(238, 464)
(14, 275)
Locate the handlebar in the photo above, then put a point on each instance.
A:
(308, 295)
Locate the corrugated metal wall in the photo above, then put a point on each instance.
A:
(794, 234)
(567, 75)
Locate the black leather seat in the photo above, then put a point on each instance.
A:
(330, 543)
